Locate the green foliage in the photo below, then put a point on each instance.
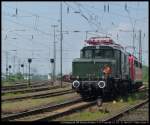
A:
(85, 115)
(145, 73)
(7, 83)
(16, 77)
(133, 97)
(39, 77)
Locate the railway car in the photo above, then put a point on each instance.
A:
(105, 69)
(67, 78)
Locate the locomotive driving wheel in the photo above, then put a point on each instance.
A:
(124, 88)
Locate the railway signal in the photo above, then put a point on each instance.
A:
(6, 72)
(22, 65)
(6, 64)
(9, 70)
(52, 63)
(29, 61)
(9, 66)
(54, 66)
(52, 60)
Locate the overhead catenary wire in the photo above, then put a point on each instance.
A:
(80, 12)
(43, 32)
(97, 23)
(114, 13)
(35, 15)
(87, 18)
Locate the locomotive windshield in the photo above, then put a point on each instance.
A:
(103, 53)
(97, 53)
(88, 54)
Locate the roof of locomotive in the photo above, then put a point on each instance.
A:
(106, 46)
(105, 42)
(94, 41)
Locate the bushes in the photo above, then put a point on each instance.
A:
(145, 73)
(15, 77)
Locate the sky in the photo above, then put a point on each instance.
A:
(27, 31)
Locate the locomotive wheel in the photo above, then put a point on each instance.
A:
(130, 87)
(114, 91)
(125, 87)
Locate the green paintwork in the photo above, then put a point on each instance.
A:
(82, 67)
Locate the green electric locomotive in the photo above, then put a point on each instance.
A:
(103, 69)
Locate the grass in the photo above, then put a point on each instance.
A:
(136, 96)
(17, 94)
(85, 115)
(7, 83)
(92, 115)
(145, 73)
(10, 95)
(30, 103)
(10, 83)
(146, 84)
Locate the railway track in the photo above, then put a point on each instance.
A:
(49, 112)
(139, 115)
(39, 95)
(25, 85)
(35, 89)
(115, 117)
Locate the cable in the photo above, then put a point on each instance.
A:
(114, 13)
(93, 22)
(94, 14)
(33, 14)
(80, 13)
(117, 5)
(31, 28)
(90, 15)
(36, 15)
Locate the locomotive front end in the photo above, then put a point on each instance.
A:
(91, 77)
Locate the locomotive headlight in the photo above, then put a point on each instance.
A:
(76, 84)
(101, 84)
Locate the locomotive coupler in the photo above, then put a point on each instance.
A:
(99, 101)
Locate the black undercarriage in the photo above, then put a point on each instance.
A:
(113, 88)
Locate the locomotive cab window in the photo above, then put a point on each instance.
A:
(81, 54)
(88, 54)
(104, 53)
